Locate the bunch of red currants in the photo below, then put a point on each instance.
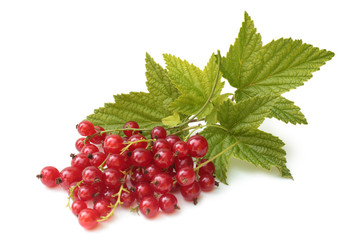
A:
(111, 170)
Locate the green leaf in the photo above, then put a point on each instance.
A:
(240, 57)
(281, 65)
(158, 82)
(194, 84)
(211, 118)
(249, 113)
(172, 120)
(255, 146)
(286, 111)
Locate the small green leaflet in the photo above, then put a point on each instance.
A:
(238, 130)
(286, 111)
(194, 84)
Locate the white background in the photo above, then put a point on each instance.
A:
(59, 60)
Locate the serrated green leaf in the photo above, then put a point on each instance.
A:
(281, 65)
(239, 59)
(286, 111)
(249, 113)
(158, 82)
(255, 146)
(194, 84)
(172, 120)
(211, 118)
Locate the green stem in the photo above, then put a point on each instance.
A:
(217, 155)
(117, 203)
(207, 101)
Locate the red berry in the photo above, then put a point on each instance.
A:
(79, 144)
(102, 206)
(118, 161)
(49, 176)
(158, 133)
(113, 178)
(185, 176)
(138, 176)
(141, 157)
(135, 138)
(75, 191)
(130, 124)
(191, 192)
(109, 194)
(163, 158)
(142, 190)
(181, 162)
(85, 128)
(89, 149)
(180, 148)
(207, 168)
(86, 192)
(207, 182)
(98, 138)
(151, 171)
(159, 144)
(69, 175)
(77, 206)
(80, 161)
(113, 144)
(149, 206)
(97, 158)
(162, 183)
(172, 139)
(92, 175)
(127, 198)
(168, 203)
(198, 146)
(88, 218)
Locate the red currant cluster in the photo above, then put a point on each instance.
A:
(111, 171)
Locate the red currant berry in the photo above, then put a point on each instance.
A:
(97, 158)
(135, 138)
(89, 149)
(151, 171)
(88, 218)
(118, 161)
(185, 176)
(138, 176)
(98, 138)
(102, 206)
(113, 178)
(49, 176)
(77, 206)
(158, 133)
(92, 175)
(207, 182)
(163, 158)
(113, 144)
(149, 206)
(130, 124)
(162, 183)
(159, 144)
(85, 128)
(207, 168)
(69, 175)
(181, 162)
(109, 194)
(168, 203)
(75, 191)
(86, 192)
(191, 192)
(79, 144)
(142, 190)
(80, 161)
(172, 139)
(127, 198)
(180, 148)
(198, 146)
(141, 157)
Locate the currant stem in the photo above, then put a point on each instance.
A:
(217, 155)
(71, 194)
